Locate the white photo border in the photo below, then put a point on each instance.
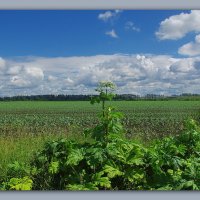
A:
(99, 4)
(87, 5)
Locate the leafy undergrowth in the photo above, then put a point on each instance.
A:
(172, 163)
(111, 161)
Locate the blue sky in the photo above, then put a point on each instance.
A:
(69, 51)
(81, 33)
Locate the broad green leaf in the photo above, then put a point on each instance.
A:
(75, 156)
(188, 185)
(24, 183)
(112, 172)
(101, 181)
(53, 167)
(135, 160)
(135, 175)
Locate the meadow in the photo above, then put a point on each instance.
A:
(26, 125)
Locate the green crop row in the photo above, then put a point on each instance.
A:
(39, 117)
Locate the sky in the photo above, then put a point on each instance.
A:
(70, 51)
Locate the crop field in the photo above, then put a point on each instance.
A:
(26, 125)
(149, 118)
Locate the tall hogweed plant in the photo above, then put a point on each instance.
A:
(111, 161)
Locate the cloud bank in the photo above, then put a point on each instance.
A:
(135, 74)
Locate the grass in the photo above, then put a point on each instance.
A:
(79, 106)
(21, 148)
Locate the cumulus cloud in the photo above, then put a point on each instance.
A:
(184, 65)
(112, 33)
(109, 15)
(135, 74)
(14, 70)
(191, 48)
(34, 72)
(19, 81)
(130, 26)
(177, 26)
(25, 76)
(14, 75)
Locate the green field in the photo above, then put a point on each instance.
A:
(26, 125)
(144, 117)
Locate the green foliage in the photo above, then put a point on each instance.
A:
(114, 164)
(110, 122)
(174, 161)
(105, 93)
(24, 183)
(17, 169)
(94, 165)
(110, 125)
(108, 162)
(87, 186)
(112, 171)
(53, 167)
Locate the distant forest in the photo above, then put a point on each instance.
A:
(119, 97)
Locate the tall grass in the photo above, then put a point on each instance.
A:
(22, 147)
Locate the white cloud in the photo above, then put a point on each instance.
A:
(19, 81)
(51, 78)
(14, 70)
(130, 26)
(69, 81)
(191, 48)
(109, 15)
(22, 76)
(177, 26)
(184, 65)
(34, 72)
(136, 74)
(105, 16)
(112, 33)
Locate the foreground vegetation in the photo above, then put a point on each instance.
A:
(113, 163)
(104, 157)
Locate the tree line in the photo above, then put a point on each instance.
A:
(118, 97)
